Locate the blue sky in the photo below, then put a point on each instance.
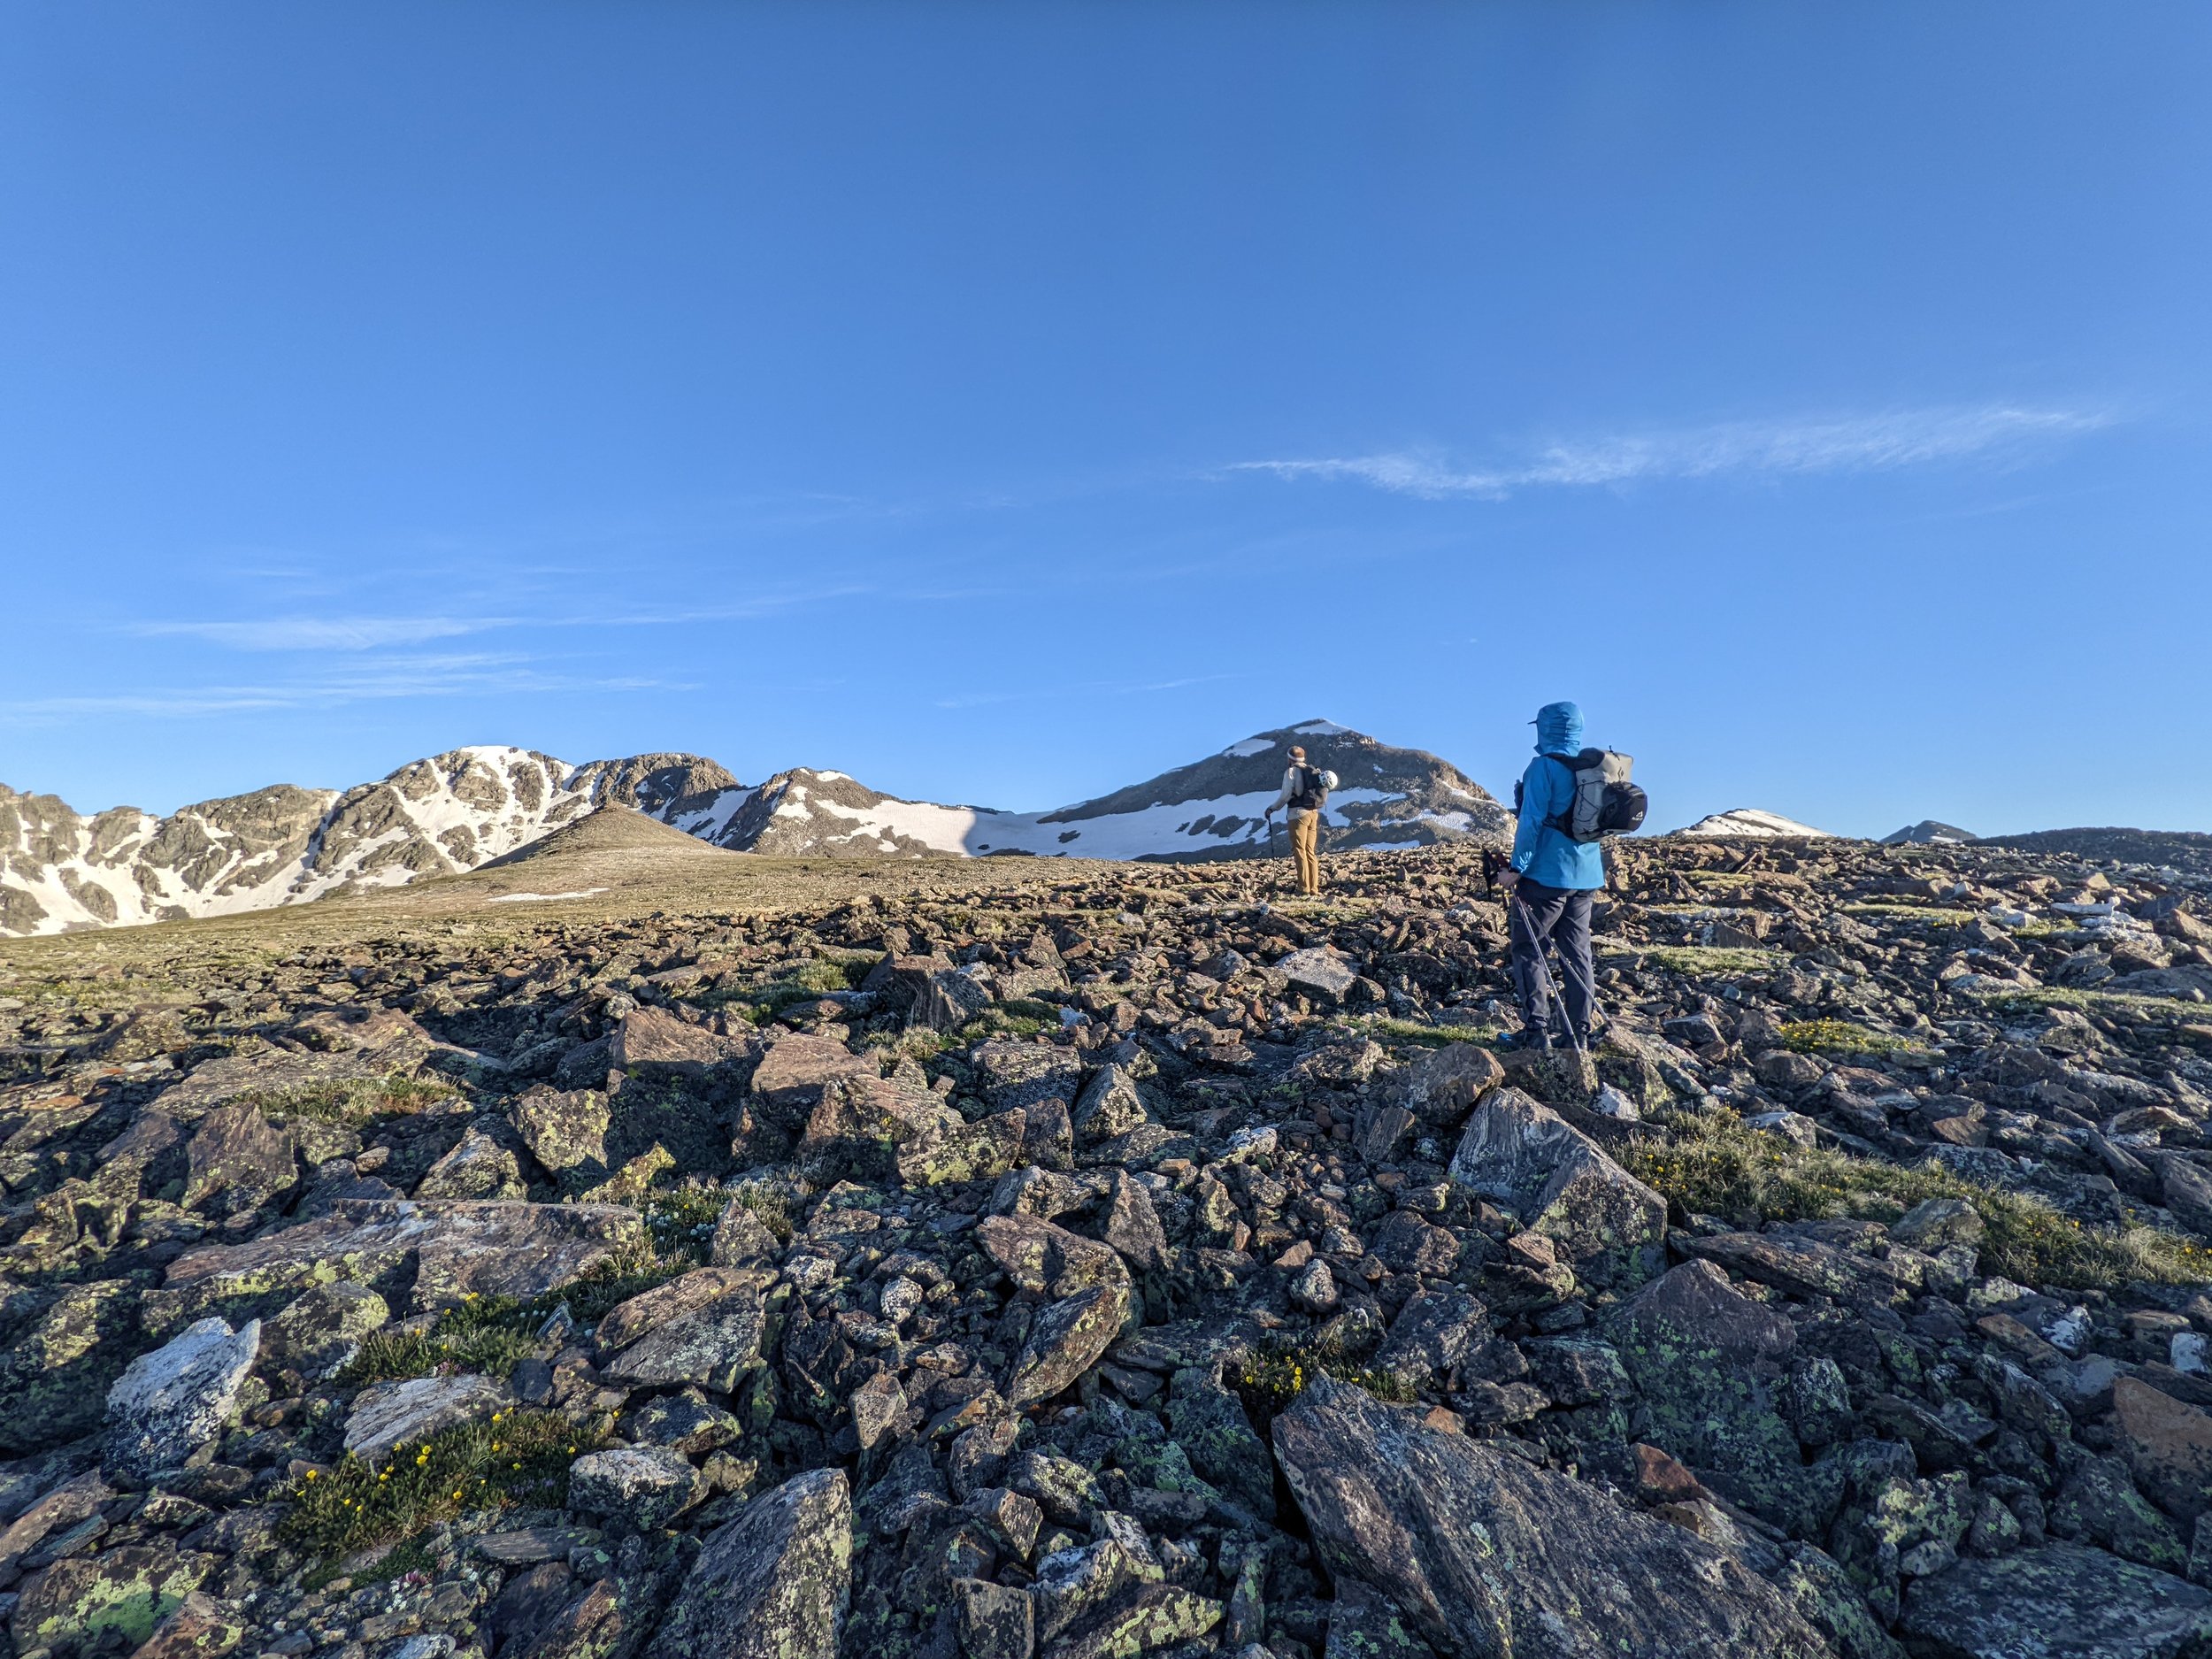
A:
(1005, 403)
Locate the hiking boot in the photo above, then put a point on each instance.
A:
(1525, 1041)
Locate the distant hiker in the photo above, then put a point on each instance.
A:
(1305, 792)
(1568, 799)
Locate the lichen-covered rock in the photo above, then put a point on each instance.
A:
(773, 1584)
(646, 1487)
(2061, 1601)
(1558, 1182)
(1110, 1104)
(1144, 1619)
(118, 1594)
(715, 1346)
(1491, 1558)
(1010, 1074)
(237, 1161)
(870, 1128)
(740, 1237)
(1065, 1339)
(494, 1248)
(169, 1403)
(55, 1374)
(564, 1129)
(1039, 1257)
(2167, 1444)
(1711, 1366)
(1209, 1423)
(478, 1167)
(1443, 1086)
(648, 1040)
(321, 1329)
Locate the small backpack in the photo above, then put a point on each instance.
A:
(1604, 804)
(1314, 784)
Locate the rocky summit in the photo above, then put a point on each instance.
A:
(1088, 1259)
(469, 807)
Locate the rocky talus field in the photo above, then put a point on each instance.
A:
(653, 1250)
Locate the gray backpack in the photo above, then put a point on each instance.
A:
(1605, 802)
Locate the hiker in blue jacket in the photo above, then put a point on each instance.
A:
(1548, 887)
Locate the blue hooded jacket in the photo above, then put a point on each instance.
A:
(1540, 852)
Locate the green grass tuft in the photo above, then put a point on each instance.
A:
(1713, 1165)
(1711, 959)
(1268, 1380)
(1838, 1036)
(1427, 1036)
(484, 1333)
(355, 1102)
(519, 1457)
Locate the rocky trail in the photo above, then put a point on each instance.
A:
(1090, 1261)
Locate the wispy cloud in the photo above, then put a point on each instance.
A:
(368, 633)
(373, 680)
(320, 634)
(1853, 443)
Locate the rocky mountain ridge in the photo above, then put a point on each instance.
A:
(1144, 1263)
(457, 810)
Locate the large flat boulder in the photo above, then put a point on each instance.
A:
(1521, 1155)
(2060, 1601)
(716, 1346)
(773, 1584)
(2167, 1445)
(650, 1040)
(1489, 1558)
(1009, 1073)
(788, 1082)
(493, 1248)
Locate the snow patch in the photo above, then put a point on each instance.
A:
(1321, 728)
(541, 898)
(1250, 746)
(1748, 820)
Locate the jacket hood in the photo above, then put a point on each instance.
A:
(1559, 729)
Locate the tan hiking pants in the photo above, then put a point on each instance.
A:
(1305, 839)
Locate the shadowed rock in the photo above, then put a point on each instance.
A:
(773, 1584)
(1489, 1558)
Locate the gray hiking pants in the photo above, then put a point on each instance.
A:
(1560, 915)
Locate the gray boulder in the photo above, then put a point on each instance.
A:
(321, 1330)
(1488, 1557)
(388, 1415)
(478, 1167)
(773, 1584)
(2060, 1601)
(717, 1345)
(1319, 973)
(236, 1162)
(646, 1485)
(1009, 1075)
(494, 1248)
(564, 1130)
(1443, 1086)
(169, 1403)
(1521, 1154)
(1712, 1366)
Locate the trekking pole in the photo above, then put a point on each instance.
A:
(1271, 853)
